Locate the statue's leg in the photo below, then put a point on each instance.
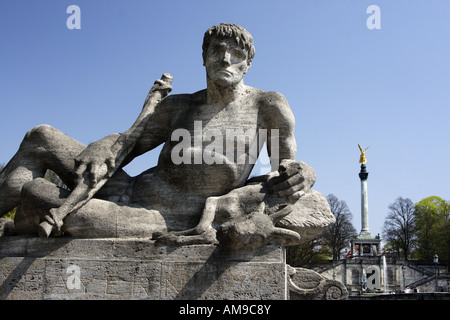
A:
(206, 219)
(107, 219)
(181, 210)
(216, 210)
(42, 148)
(96, 219)
(37, 198)
(203, 233)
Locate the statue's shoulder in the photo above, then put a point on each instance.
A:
(264, 97)
(274, 109)
(270, 101)
(187, 98)
(180, 102)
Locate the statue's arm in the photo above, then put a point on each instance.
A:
(99, 160)
(279, 122)
(157, 130)
(114, 149)
(294, 178)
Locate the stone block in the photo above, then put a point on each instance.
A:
(127, 269)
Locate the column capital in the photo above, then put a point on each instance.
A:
(363, 174)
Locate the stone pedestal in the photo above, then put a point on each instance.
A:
(135, 269)
(68, 268)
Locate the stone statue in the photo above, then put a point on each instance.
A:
(200, 191)
(362, 157)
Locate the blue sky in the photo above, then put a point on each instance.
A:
(388, 88)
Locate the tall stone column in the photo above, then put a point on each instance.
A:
(363, 175)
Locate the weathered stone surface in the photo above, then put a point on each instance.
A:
(33, 268)
(310, 215)
(305, 284)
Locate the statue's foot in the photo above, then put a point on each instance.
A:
(55, 218)
(172, 238)
(50, 224)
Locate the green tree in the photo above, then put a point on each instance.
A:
(11, 214)
(442, 237)
(432, 228)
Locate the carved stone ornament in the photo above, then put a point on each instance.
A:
(305, 284)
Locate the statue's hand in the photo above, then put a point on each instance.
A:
(94, 163)
(164, 86)
(295, 179)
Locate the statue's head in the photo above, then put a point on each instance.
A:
(228, 52)
(230, 31)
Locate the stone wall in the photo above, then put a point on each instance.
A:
(68, 268)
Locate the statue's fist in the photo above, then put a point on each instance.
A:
(294, 180)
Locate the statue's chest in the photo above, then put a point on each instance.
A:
(214, 120)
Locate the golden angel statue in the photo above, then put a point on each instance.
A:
(362, 158)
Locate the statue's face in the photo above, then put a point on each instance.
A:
(226, 62)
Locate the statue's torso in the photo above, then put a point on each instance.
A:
(214, 166)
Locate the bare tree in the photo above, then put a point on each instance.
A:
(54, 178)
(399, 226)
(338, 236)
(307, 254)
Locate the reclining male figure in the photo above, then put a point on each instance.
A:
(170, 196)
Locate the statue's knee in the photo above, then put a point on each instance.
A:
(40, 191)
(37, 198)
(30, 188)
(42, 131)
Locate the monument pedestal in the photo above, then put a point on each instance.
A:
(135, 269)
(68, 268)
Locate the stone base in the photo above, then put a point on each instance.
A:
(61, 268)
(125, 269)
